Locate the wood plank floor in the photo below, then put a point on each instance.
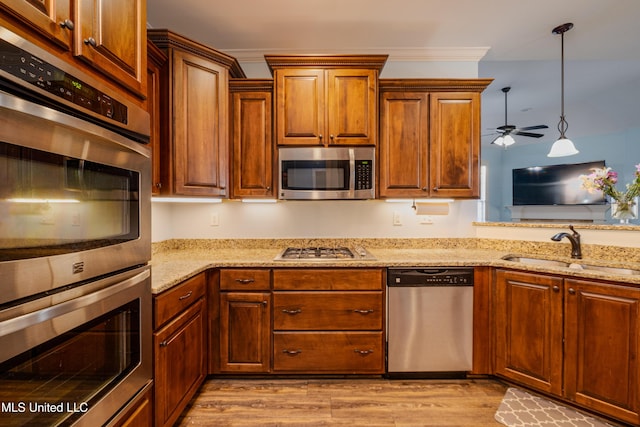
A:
(345, 402)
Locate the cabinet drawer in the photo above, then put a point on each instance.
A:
(245, 279)
(169, 303)
(348, 279)
(327, 310)
(329, 352)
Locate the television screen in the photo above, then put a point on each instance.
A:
(555, 185)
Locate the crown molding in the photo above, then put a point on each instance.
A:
(418, 54)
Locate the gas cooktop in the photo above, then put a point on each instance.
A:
(319, 253)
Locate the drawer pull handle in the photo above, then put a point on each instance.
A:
(363, 352)
(185, 296)
(292, 312)
(291, 352)
(245, 281)
(363, 311)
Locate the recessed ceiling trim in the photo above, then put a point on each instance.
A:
(453, 54)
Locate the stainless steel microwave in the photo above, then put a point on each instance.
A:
(326, 173)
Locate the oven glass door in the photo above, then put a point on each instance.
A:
(316, 175)
(83, 373)
(53, 204)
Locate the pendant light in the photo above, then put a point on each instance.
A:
(563, 146)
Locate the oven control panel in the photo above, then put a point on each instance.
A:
(41, 74)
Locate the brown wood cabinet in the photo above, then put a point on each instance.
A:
(155, 62)
(326, 100)
(108, 36)
(602, 345)
(194, 116)
(575, 339)
(180, 347)
(252, 138)
(430, 138)
(328, 321)
(529, 329)
(140, 411)
(245, 321)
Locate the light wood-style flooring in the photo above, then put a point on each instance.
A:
(345, 402)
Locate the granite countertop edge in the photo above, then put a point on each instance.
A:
(171, 267)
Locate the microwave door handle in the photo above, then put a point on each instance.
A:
(352, 173)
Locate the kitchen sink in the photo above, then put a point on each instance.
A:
(572, 265)
(536, 261)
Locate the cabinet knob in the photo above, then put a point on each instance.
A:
(268, 188)
(158, 185)
(331, 138)
(164, 344)
(265, 302)
(320, 136)
(91, 41)
(425, 189)
(435, 188)
(67, 23)
(556, 289)
(572, 291)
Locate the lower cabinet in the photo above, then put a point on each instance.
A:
(245, 321)
(180, 348)
(576, 339)
(140, 411)
(328, 321)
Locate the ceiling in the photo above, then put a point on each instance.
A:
(602, 52)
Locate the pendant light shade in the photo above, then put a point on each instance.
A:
(563, 146)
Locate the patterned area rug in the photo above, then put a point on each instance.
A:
(521, 409)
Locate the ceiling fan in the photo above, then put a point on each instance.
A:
(504, 139)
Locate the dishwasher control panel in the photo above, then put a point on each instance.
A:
(432, 276)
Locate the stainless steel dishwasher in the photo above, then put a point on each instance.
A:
(429, 321)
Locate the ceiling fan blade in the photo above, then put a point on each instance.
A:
(506, 128)
(534, 127)
(529, 134)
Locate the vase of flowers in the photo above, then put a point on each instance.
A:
(624, 204)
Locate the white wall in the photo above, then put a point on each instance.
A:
(307, 219)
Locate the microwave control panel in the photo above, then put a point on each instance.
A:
(364, 174)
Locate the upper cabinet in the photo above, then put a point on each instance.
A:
(430, 137)
(326, 100)
(252, 137)
(111, 37)
(108, 36)
(194, 133)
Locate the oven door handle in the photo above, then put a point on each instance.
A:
(28, 330)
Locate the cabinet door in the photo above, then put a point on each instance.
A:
(300, 107)
(351, 107)
(111, 36)
(602, 347)
(455, 144)
(245, 332)
(156, 59)
(404, 144)
(529, 329)
(252, 144)
(200, 130)
(180, 355)
(51, 18)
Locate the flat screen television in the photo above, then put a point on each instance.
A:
(555, 185)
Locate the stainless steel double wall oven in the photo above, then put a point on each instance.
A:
(75, 299)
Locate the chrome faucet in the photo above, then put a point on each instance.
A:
(574, 238)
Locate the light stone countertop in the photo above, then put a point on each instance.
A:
(172, 265)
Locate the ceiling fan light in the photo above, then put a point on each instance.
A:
(562, 147)
(499, 141)
(508, 140)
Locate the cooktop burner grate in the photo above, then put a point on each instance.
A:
(317, 253)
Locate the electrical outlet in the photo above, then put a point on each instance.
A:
(426, 220)
(214, 220)
(397, 218)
